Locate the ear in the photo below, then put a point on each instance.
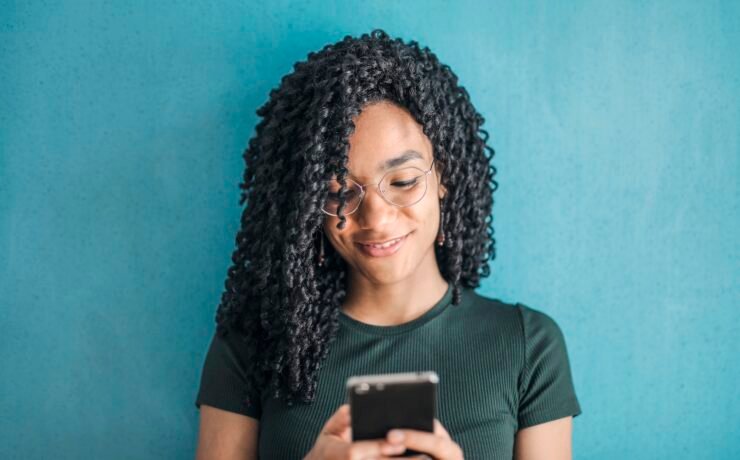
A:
(442, 191)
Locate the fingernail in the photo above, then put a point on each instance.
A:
(395, 435)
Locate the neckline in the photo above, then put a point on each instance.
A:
(430, 314)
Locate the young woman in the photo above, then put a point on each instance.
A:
(369, 190)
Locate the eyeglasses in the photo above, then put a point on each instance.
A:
(401, 187)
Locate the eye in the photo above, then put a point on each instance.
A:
(406, 183)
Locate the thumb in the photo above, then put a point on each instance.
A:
(338, 422)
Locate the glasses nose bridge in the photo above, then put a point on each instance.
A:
(364, 187)
(363, 193)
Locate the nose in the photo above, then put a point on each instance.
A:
(374, 210)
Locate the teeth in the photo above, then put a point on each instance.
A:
(384, 245)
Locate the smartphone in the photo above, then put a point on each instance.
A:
(381, 402)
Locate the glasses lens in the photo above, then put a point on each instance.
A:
(405, 186)
(351, 197)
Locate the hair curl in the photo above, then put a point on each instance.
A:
(282, 304)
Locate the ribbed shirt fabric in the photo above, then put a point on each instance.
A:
(502, 367)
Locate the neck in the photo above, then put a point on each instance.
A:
(388, 304)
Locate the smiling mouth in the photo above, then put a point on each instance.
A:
(384, 244)
(386, 248)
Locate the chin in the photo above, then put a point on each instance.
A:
(380, 275)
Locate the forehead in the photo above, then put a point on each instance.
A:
(384, 131)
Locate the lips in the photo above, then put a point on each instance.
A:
(383, 243)
(383, 249)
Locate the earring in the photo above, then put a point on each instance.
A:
(321, 249)
(441, 234)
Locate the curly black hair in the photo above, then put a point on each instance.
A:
(280, 302)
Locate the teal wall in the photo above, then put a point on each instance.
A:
(615, 125)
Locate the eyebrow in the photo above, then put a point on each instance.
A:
(406, 156)
(390, 163)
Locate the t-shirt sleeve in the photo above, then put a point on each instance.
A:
(546, 390)
(223, 378)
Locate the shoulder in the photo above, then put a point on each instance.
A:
(484, 306)
(538, 326)
(476, 304)
(516, 318)
(230, 349)
(489, 316)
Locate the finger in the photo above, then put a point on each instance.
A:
(423, 441)
(439, 429)
(372, 449)
(415, 457)
(338, 422)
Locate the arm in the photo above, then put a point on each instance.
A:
(546, 441)
(226, 435)
(548, 402)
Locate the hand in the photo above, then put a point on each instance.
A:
(335, 442)
(438, 444)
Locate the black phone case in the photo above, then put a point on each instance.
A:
(382, 407)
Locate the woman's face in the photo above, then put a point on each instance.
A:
(383, 132)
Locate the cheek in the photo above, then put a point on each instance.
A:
(338, 239)
(428, 213)
(425, 222)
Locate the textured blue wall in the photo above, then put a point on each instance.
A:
(122, 124)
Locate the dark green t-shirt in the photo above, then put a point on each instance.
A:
(501, 368)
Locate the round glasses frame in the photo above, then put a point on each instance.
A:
(364, 187)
